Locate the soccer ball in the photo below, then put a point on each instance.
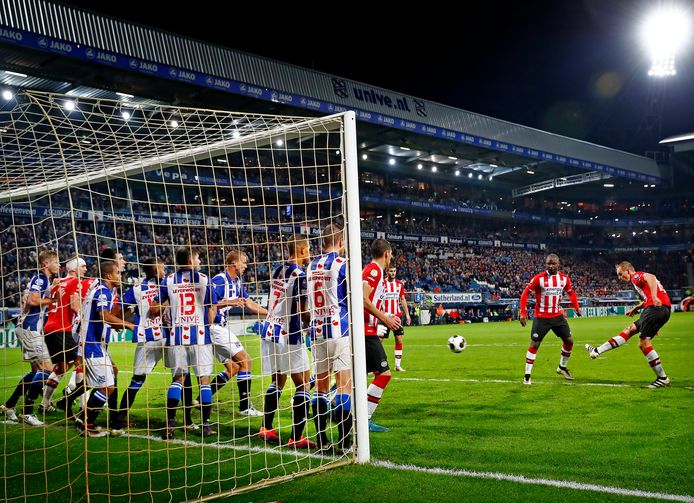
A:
(456, 343)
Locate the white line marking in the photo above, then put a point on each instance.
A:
(223, 446)
(564, 484)
(518, 381)
(443, 344)
(481, 381)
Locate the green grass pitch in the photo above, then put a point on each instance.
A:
(466, 411)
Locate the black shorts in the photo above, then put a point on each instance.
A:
(376, 360)
(399, 331)
(61, 346)
(558, 325)
(652, 319)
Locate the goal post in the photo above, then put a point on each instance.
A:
(89, 176)
(355, 281)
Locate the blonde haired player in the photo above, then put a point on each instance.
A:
(656, 307)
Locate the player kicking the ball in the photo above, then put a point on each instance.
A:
(656, 313)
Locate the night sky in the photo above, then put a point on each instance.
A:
(570, 67)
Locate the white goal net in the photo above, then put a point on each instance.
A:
(106, 207)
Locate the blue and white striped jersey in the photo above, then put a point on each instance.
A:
(140, 298)
(35, 316)
(95, 333)
(190, 296)
(287, 292)
(227, 288)
(327, 296)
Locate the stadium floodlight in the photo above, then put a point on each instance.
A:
(126, 115)
(391, 161)
(364, 157)
(608, 185)
(665, 33)
(457, 172)
(124, 95)
(174, 124)
(530, 172)
(479, 177)
(69, 106)
(433, 169)
(280, 143)
(7, 95)
(469, 175)
(419, 166)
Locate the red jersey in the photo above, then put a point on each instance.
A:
(373, 275)
(548, 292)
(60, 315)
(394, 291)
(644, 291)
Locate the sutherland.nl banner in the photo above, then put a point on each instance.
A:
(456, 298)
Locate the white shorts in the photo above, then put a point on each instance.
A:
(226, 344)
(283, 358)
(147, 355)
(34, 347)
(199, 357)
(99, 372)
(332, 354)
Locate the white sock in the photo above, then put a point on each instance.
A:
(654, 362)
(49, 390)
(530, 360)
(72, 385)
(565, 355)
(614, 343)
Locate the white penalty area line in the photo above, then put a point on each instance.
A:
(520, 479)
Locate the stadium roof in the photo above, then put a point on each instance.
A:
(64, 49)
